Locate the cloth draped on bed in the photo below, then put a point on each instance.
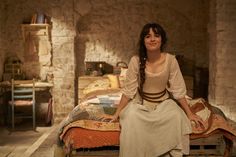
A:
(83, 129)
(156, 127)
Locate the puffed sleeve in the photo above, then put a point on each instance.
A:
(131, 81)
(177, 85)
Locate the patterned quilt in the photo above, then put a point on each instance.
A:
(92, 132)
(87, 116)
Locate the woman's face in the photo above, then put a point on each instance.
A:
(152, 41)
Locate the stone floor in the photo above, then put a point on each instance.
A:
(23, 141)
(47, 147)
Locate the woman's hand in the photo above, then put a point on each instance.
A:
(196, 120)
(109, 118)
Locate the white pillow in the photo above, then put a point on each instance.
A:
(122, 76)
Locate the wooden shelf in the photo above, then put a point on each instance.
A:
(35, 29)
(36, 25)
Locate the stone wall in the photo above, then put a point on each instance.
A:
(109, 30)
(222, 87)
(104, 30)
(2, 36)
(61, 68)
(2, 51)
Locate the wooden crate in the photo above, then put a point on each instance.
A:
(210, 146)
(109, 151)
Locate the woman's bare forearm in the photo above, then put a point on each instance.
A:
(192, 117)
(185, 106)
(123, 102)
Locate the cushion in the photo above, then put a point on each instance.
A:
(101, 84)
(122, 76)
(114, 81)
(21, 102)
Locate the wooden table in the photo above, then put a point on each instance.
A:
(5, 88)
(38, 84)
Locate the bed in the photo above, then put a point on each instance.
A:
(83, 127)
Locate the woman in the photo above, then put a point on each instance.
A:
(152, 124)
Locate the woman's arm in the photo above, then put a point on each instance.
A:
(192, 117)
(185, 106)
(178, 90)
(123, 102)
(129, 90)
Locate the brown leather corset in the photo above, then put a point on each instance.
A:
(152, 97)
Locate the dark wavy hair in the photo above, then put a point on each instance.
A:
(157, 29)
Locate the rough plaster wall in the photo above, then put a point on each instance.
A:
(222, 57)
(109, 30)
(63, 57)
(105, 30)
(2, 53)
(212, 50)
(61, 13)
(2, 36)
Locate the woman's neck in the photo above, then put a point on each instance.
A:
(153, 56)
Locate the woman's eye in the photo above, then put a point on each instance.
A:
(157, 35)
(147, 36)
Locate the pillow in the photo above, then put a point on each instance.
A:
(101, 84)
(114, 81)
(123, 72)
(122, 76)
(93, 94)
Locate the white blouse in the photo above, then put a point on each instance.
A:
(169, 78)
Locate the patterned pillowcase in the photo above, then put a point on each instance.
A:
(122, 76)
(101, 84)
(114, 81)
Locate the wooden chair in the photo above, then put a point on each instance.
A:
(22, 94)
